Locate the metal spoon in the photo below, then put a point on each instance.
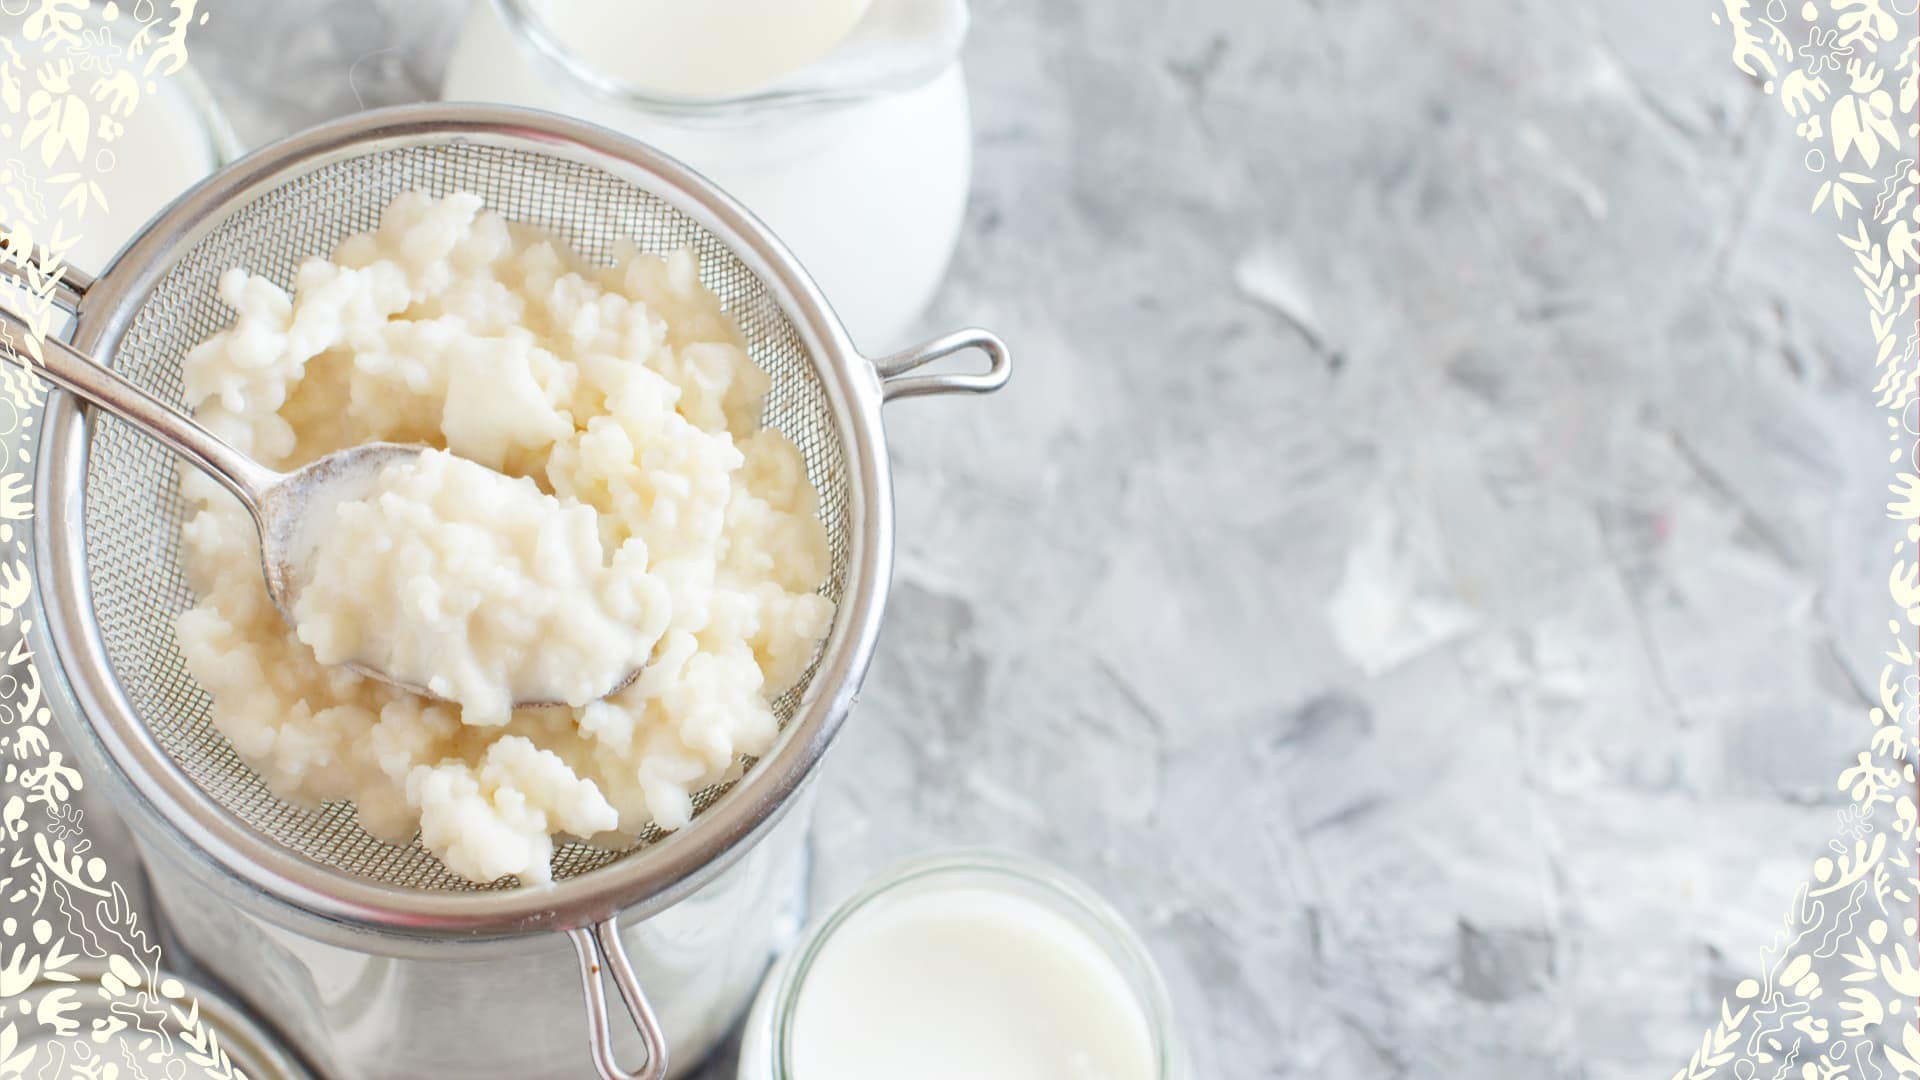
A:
(285, 506)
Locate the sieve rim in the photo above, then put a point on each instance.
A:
(635, 885)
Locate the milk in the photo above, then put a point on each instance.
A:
(957, 967)
(967, 982)
(172, 140)
(713, 48)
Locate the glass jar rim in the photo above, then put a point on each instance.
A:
(1086, 909)
(221, 140)
(523, 20)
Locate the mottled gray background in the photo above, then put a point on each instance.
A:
(1507, 313)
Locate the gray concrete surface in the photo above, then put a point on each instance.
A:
(1425, 568)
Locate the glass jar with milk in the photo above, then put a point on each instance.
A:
(966, 964)
(841, 123)
(174, 137)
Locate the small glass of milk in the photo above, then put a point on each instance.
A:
(965, 965)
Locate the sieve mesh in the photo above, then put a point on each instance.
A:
(134, 510)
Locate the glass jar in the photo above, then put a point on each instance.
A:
(359, 1004)
(1087, 922)
(859, 161)
(175, 136)
(102, 1041)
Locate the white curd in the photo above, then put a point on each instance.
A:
(479, 587)
(621, 392)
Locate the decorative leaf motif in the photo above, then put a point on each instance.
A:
(170, 52)
(58, 120)
(119, 92)
(18, 970)
(1862, 124)
(56, 22)
(1856, 913)
(13, 1064)
(1800, 92)
(61, 915)
(1865, 20)
(1749, 52)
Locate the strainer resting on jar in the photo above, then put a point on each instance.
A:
(109, 513)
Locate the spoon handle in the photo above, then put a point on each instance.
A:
(74, 371)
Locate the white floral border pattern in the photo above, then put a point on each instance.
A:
(1839, 986)
(1838, 992)
(71, 73)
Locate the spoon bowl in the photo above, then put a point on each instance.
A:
(290, 510)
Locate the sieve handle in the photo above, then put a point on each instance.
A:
(70, 284)
(78, 373)
(895, 383)
(599, 947)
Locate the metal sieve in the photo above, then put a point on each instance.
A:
(109, 512)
